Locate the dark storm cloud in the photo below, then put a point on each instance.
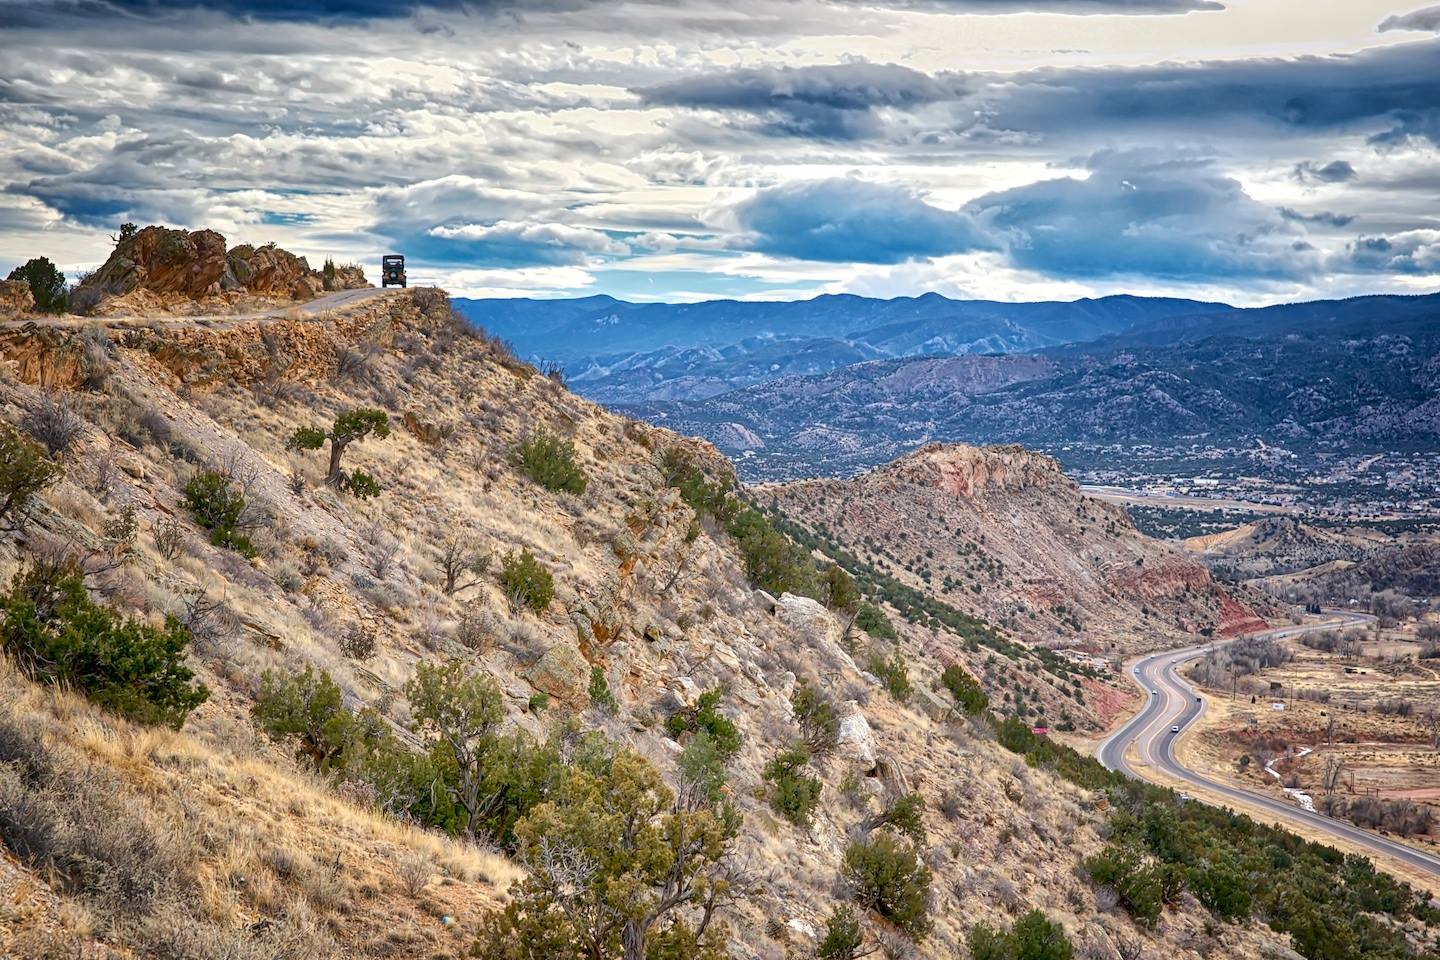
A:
(842, 220)
(1413, 253)
(1322, 218)
(1390, 94)
(1336, 171)
(1145, 215)
(1077, 7)
(1425, 19)
(839, 102)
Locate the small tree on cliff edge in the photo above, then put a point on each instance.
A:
(349, 427)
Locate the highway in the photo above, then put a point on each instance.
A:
(1174, 703)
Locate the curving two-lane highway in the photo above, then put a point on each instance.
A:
(1174, 703)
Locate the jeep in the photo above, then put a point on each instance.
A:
(392, 270)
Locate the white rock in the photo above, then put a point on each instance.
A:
(801, 927)
(687, 691)
(855, 739)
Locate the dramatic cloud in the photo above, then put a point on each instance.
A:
(851, 220)
(1182, 220)
(1336, 171)
(1426, 19)
(840, 102)
(1415, 253)
(741, 147)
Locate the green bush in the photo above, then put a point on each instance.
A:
(819, 725)
(793, 794)
(902, 815)
(550, 462)
(965, 689)
(307, 710)
(887, 876)
(840, 592)
(894, 673)
(1135, 882)
(220, 507)
(873, 621)
(705, 716)
(652, 870)
(843, 938)
(600, 694)
(706, 497)
(526, 583)
(58, 635)
(702, 768)
(773, 562)
(1033, 937)
(47, 284)
(24, 472)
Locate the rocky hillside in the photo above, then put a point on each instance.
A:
(1002, 533)
(578, 588)
(158, 268)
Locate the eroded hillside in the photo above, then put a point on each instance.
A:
(217, 840)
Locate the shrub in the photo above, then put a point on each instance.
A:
(704, 496)
(894, 673)
(58, 635)
(873, 621)
(550, 462)
(793, 795)
(819, 726)
(220, 506)
(773, 562)
(965, 689)
(47, 284)
(615, 859)
(887, 876)
(902, 815)
(702, 768)
(54, 424)
(843, 938)
(704, 716)
(1138, 886)
(840, 592)
(24, 472)
(599, 691)
(349, 427)
(526, 582)
(1033, 937)
(307, 710)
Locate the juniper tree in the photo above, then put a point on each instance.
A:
(349, 427)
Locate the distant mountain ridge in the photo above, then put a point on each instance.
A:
(620, 352)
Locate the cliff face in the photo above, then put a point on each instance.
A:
(1002, 532)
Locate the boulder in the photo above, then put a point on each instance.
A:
(15, 298)
(854, 739)
(562, 672)
(806, 616)
(164, 261)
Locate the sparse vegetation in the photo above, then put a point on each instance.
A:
(1033, 937)
(816, 717)
(550, 462)
(873, 621)
(599, 691)
(24, 472)
(793, 794)
(887, 876)
(58, 635)
(843, 940)
(352, 426)
(220, 506)
(705, 715)
(965, 689)
(55, 424)
(894, 673)
(526, 583)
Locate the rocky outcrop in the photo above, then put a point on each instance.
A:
(967, 471)
(563, 673)
(160, 265)
(15, 298)
(348, 276)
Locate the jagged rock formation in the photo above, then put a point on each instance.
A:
(15, 298)
(159, 267)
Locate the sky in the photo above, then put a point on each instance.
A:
(1253, 151)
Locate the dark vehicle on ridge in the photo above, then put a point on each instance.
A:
(392, 270)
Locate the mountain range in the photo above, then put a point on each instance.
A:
(834, 385)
